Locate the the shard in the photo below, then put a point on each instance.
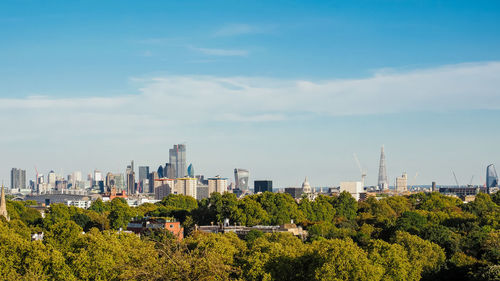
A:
(382, 172)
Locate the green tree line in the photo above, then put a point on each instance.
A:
(425, 236)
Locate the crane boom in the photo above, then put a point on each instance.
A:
(456, 180)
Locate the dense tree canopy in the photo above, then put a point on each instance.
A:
(417, 237)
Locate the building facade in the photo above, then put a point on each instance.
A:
(263, 186)
(217, 184)
(163, 187)
(355, 188)
(17, 179)
(402, 183)
(241, 177)
(186, 186)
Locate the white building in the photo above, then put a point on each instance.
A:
(217, 184)
(355, 188)
(84, 204)
(186, 186)
(402, 183)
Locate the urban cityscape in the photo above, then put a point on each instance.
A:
(249, 140)
(176, 176)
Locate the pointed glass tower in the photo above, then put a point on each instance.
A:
(383, 184)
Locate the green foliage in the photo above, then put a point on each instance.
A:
(120, 214)
(416, 237)
(345, 206)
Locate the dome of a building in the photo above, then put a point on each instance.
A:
(306, 188)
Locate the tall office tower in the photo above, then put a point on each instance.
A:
(3, 205)
(17, 178)
(402, 183)
(241, 178)
(130, 179)
(152, 178)
(169, 171)
(217, 184)
(119, 181)
(51, 179)
(190, 171)
(382, 172)
(143, 178)
(262, 186)
(110, 181)
(98, 178)
(160, 172)
(491, 177)
(143, 172)
(177, 157)
(434, 187)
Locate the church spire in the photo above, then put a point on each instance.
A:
(3, 205)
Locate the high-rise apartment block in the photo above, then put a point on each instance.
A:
(163, 187)
(186, 186)
(17, 179)
(217, 184)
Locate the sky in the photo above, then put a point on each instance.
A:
(285, 89)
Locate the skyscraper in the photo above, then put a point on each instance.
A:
(190, 171)
(491, 177)
(143, 173)
(17, 179)
(177, 157)
(160, 172)
(51, 179)
(130, 179)
(382, 173)
(241, 178)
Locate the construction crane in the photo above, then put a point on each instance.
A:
(456, 180)
(471, 179)
(414, 180)
(363, 172)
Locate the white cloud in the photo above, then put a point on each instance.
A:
(172, 101)
(221, 52)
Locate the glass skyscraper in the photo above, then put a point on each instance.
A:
(241, 178)
(177, 157)
(491, 177)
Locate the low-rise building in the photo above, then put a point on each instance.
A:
(141, 226)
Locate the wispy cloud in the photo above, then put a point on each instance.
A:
(212, 99)
(220, 52)
(239, 29)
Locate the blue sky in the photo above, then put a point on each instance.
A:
(287, 89)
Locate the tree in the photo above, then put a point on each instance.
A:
(120, 214)
(423, 255)
(343, 260)
(345, 206)
(394, 259)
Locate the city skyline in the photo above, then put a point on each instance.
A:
(286, 91)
